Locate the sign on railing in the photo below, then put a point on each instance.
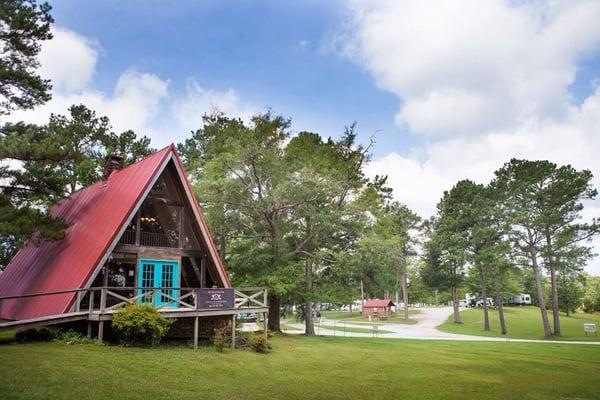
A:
(215, 299)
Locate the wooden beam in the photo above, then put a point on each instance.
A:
(164, 200)
(197, 271)
(266, 322)
(196, 333)
(233, 331)
(100, 331)
(203, 272)
(138, 227)
(170, 251)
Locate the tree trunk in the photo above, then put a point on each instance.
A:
(274, 325)
(554, 288)
(497, 284)
(405, 289)
(486, 316)
(540, 294)
(308, 305)
(455, 306)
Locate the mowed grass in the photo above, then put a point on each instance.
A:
(304, 368)
(355, 317)
(341, 327)
(522, 323)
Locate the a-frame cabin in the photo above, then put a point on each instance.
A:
(136, 236)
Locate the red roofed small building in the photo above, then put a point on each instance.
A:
(129, 236)
(377, 308)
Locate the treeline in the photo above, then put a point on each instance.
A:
(527, 217)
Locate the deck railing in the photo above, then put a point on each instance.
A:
(107, 299)
(150, 239)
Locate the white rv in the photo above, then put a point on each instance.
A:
(522, 299)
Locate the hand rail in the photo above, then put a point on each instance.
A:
(256, 298)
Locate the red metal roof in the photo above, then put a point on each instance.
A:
(377, 303)
(95, 216)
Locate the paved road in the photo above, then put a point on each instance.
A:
(425, 329)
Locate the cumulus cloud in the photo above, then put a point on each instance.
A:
(140, 101)
(463, 68)
(484, 81)
(189, 108)
(68, 60)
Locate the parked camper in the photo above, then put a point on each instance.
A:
(490, 302)
(522, 299)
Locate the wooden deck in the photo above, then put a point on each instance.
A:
(95, 306)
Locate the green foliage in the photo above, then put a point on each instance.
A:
(139, 325)
(219, 339)
(47, 163)
(591, 298)
(259, 343)
(72, 337)
(281, 208)
(23, 26)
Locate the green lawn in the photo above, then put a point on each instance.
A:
(355, 317)
(341, 328)
(304, 368)
(522, 323)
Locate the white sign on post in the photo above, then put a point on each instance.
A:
(590, 328)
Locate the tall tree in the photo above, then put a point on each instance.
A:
(23, 26)
(445, 256)
(544, 203)
(43, 164)
(560, 208)
(281, 202)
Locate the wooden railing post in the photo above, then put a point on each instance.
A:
(233, 331)
(265, 297)
(91, 305)
(78, 303)
(102, 299)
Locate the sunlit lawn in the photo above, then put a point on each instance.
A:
(522, 323)
(304, 368)
(355, 317)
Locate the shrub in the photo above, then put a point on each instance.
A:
(34, 335)
(259, 343)
(139, 325)
(72, 337)
(219, 339)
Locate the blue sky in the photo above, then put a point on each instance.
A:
(451, 89)
(273, 53)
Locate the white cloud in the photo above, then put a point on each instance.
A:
(68, 60)
(463, 68)
(140, 101)
(197, 101)
(486, 81)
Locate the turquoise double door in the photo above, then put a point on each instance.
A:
(162, 275)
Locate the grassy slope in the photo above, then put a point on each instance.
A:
(522, 323)
(304, 368)
(356, 318)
